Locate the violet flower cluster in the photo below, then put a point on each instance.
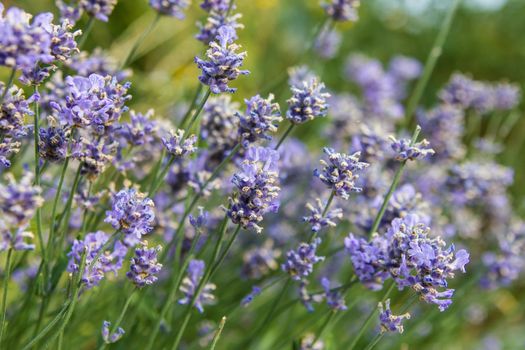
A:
(144, 266)
(190, 284)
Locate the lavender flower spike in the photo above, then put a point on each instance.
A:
(223, 62)
(316, 218)
(262, 117)
(179, 147)
(132, 214)
(100, 9)
(405, 151)
(340, 172)
(307, 102)
(144, 266)
(113, 337)
(173, 8)
(342, 10)
(390, 322)
(300, 263)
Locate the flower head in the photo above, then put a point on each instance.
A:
(342, 10)
(144, 266)
(223, 62)
(100, 9)
(390, 322)
(333, 298)
(141, 129)
(179, 146)
(260, 261)
(340, 173)
(52, 144)
(113, 337)
(19, 200)
(307, 102)
(406, 150)
(16, 238)
(300, 262)
(317, 219)
(173, 8)
(132, 214)
(257, 188)
(261, 118)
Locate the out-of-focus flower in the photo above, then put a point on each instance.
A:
(300, 262)
(173, 8)
(317, 219)
(333, 298)
(342, 10)
(260, 261)
(190, 283)
(390, 322)
(113, 337)
(100, 9)
(249, 298)
(19, 200)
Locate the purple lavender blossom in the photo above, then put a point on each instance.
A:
(178, 146)
(309, 342)
(95, 101)
(405, 68)
(68, 12)
(19, 200)
(316, 218)
(24, 43)
(219, 126)
(260, 261)
(411, 257)
(299, 74)
(215, 5)
(261, 118)
(141, 128)
(200, 220)
(506, 96)
(215, 20)
(52, 145)
(113, 337)
(390, 322)
(100, 9)
(308, 102)
(90, 246)
(144, 266)
(8, 147)
(132, 214)
(340, 173)
(333, 298)
(16, 239)
(257, 188)
(223, 62)
(405, 150)
(247, 300)
(94, 156)
(173, 8)
(190, 283)
(342, 10)
(299, 263)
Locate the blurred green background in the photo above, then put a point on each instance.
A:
(486, 40)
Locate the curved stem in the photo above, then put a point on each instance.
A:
(85, 32)
(139, 41)
(7, 272)
(9, 84)
(393, 186)
(219, 332)
(431, 61)
(285, 135)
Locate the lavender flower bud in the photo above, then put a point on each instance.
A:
(144, 266)
(100, 9)
(307, 102)
(342, 10)
(257, 188)
(173, 8)
(390, 322)
(316, 218)
(132, 214)
(333, 298)
(17, 239)
(190, 283)
(247, 300)
(111, 338)
(327, 44)
(405, 151)
(261, 118)
(215, 20)
(299, 263)
(341, 173)
(179, 147)
(223, 62)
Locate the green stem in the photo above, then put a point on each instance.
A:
(139, 41)
(374, 342)
(38, 213)
(157, 180)
(7, 272)
(121, 317)
(217, 335)
(9, 84)
(431, 61)
(325, 210)
(196, 114)
(85, 32)
(285, 135)
(49, 327)
(192, 106)
(369, 318)
(393, 186)
(209, 270)
(324, 326)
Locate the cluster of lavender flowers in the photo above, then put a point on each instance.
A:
(85, 180)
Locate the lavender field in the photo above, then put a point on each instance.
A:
(262, 174)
